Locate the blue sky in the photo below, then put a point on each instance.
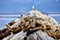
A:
(18, 6)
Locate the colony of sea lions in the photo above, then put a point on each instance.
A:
(31, 24)
(5, 32)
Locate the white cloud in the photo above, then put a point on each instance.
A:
(45, 1)
(24, 1)
(21, 1)
(38, 3)
(27, 1)
(22, 10)
(34, 1)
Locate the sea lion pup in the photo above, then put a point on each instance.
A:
(6, 32)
